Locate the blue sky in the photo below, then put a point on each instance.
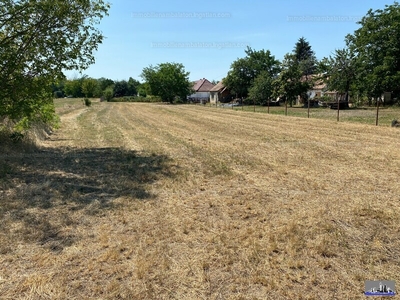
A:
(207, 36)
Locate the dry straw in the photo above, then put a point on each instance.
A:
(141, 201)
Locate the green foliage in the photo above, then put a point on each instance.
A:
(133, 86)
(123, 99)
(38, 41)
(108, 94)
(147, 99)
(87, 102)
(305, 56)
(179, 100)
(168, 80)
(89, 87)
(244, 70)
(341, 71)
(289, 83)
(376, 45)
(121, 88)
(144, 90)
(262, 89)
(58, 94)
(105, 83)
(126, 88)
(73, 87)
(58, 89)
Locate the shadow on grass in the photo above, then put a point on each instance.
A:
(41, 190)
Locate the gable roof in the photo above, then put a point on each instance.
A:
(202, 85)
(219, 87)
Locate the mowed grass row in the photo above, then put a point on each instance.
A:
(148, 201)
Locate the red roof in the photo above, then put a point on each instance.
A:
(202, 85)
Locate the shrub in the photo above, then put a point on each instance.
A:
(87, 102)
(58, 94)
(179, 100)
(108, 94)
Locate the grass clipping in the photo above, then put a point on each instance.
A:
(143, 201)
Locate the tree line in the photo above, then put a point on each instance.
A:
(40, 40)
(102, 87)
(368, 66)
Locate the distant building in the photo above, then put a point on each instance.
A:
(219, 93)
(201, 89)
(319, 89)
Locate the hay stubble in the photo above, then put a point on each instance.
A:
(207, 204)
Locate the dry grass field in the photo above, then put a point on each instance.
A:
(364, 115)
(150, 201)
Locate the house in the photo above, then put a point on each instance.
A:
(201, 89)
(219, 93)
(319, 90)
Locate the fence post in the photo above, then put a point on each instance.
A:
(377, 111)
(285, 107)
(338, 105)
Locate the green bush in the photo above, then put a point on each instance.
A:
(87, 102)
(108, 94)
(136, 99)
(58, 94)
(179, 100)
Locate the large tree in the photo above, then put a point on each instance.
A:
(89, 87)
(341, 71)
(105, 83)
(168, 81)
(73, 87)
(244, 70)
(377, 47)
(290, 82)
(305, 57)
(133, 86)
(38, 41)
(121, 88)
(262, 89)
